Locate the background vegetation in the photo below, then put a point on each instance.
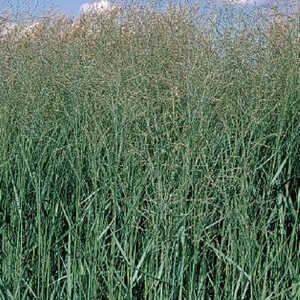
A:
(141, 161)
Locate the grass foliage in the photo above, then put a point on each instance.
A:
(138, 161)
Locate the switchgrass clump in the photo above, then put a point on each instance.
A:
(139, 160)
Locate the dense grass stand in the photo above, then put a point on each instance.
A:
(139, 160)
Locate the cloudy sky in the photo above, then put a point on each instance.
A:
(71, 7)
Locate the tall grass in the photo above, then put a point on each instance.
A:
(140, 162)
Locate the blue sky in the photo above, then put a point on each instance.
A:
(71, 7)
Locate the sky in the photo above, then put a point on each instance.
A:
(71, 7)
(222, 12)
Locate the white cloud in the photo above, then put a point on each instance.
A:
(31, 28)
(96, 7)
(246, 2)
(7, 28)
